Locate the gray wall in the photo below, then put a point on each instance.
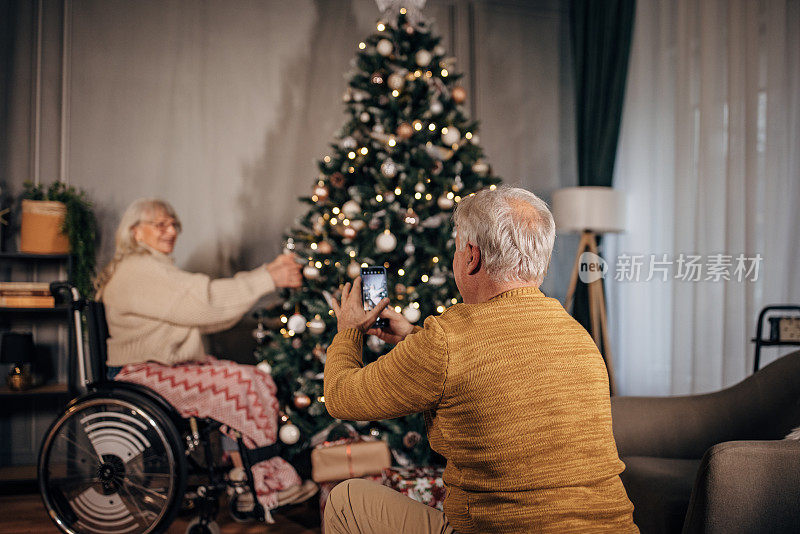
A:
(223, 107)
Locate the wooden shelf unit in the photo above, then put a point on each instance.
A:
(57, 388)
(31, 408)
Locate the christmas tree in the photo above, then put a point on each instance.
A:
(384, 196)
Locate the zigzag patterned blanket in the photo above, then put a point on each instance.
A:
(241, 397)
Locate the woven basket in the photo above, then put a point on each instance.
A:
(42, 221)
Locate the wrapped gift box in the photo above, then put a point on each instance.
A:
(347, 466)
(423, 484)
(349, 458)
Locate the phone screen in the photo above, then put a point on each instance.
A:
(374, 288)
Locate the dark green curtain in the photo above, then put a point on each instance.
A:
(601, 32)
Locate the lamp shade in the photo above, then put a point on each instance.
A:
(599, 209)
(16, 347)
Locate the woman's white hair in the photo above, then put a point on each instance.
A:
(124, 242)
(514, 230)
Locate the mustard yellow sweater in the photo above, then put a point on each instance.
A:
(515, 396)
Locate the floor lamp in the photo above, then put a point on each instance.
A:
(591, 211)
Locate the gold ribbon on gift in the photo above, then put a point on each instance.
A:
(349, 452)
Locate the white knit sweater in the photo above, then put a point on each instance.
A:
(157, 312)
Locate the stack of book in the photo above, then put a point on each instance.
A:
(26, 295)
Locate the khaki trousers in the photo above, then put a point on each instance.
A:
(365, 507)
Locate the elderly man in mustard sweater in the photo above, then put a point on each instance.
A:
(514, 392)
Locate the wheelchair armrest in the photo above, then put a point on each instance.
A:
(746, 486)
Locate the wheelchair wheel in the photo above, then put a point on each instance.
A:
(112, 462)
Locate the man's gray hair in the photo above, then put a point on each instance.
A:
(514, 230)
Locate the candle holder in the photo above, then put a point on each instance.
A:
(18, 350)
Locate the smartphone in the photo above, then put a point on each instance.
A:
(374, 288)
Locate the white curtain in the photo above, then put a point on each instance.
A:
(709, 158)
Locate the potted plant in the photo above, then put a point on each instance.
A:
(58, 219)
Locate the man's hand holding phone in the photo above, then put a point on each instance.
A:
(396, 330)
(350, 312)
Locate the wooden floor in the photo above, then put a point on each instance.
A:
(26, 514)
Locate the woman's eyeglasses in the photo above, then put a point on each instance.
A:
(162, 226)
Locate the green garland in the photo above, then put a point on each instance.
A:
(80, 226)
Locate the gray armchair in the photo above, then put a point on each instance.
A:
(715, 463)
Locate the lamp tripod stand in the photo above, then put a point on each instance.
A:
(597, 304)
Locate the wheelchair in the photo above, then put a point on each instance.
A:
(121, 459)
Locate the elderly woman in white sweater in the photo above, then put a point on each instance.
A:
(156, 316)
